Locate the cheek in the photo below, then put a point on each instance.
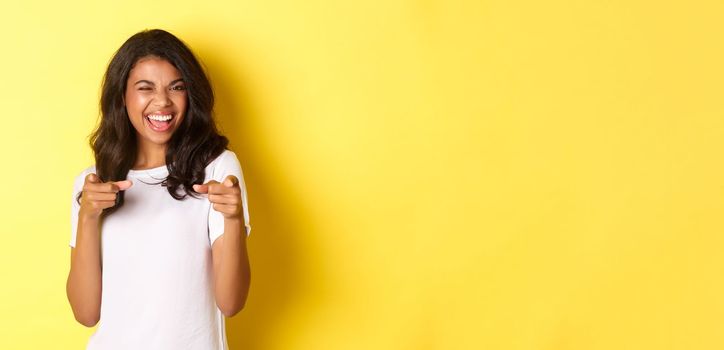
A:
(135, 105)
(181, 101)
(134, 109)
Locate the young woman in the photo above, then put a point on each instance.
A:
(158, 255)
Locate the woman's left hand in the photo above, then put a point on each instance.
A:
(225, 197)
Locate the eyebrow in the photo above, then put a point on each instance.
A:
(150, 82)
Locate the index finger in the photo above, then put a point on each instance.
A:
(123, 184)
(101, 187)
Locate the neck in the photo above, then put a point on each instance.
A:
(150, 156)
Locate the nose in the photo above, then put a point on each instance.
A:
(162, 99)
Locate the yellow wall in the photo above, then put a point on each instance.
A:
(421, 174)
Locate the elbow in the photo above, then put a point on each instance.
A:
(86, 314)
(231, 308)
(88, 320)
(85, 310)
(230, 313)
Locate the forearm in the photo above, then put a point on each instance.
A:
(84, 279)
(234, 275)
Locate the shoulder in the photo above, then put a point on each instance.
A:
(224, 164)
(226, 158)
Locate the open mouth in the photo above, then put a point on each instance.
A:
(160, 122)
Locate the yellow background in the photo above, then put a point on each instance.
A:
(422, 174)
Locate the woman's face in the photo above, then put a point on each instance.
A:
(155, 100)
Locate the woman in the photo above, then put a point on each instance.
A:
(158, 258)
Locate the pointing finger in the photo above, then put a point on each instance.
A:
(205, 187)
(123, 185)
(200, 188)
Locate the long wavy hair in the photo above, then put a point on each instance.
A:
(191, 148)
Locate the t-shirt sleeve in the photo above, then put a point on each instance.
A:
(228, 164)
(74, 206)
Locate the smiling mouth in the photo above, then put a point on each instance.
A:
(160, 122)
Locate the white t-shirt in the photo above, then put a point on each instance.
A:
(157, 290)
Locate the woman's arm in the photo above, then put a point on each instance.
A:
(84, 280)
(232, 274)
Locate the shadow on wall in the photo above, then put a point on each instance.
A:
(276, 279)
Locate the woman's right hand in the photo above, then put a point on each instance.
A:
(99, 195)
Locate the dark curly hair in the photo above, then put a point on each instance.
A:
(191, 148)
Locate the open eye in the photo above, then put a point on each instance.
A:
(179, 87)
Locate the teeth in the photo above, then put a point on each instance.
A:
(160, 117)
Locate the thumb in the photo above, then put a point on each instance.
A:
(92, 178)
(231, 181)
(123, 185)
